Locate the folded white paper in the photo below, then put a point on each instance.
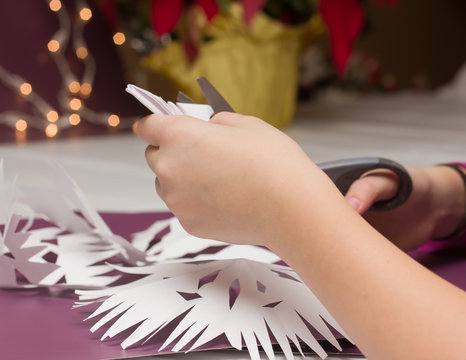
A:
(159, 106)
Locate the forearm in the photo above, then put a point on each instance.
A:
(390, 305)
(238, 179)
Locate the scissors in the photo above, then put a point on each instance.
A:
(342, 172)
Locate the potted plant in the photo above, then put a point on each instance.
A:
(248, 49)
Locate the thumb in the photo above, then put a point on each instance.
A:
(227, 118)
(375, 186)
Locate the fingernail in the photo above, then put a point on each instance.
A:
(354, 203)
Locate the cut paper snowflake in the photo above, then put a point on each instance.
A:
(249, 302)
(175, 243)
(65, 205)
(75, 237)
(81, 262)
(15, 256)
(190, 291)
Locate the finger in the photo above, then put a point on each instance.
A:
(152, 128)
(227, 118)
(373, 187)
(158, 187)
(152, 155)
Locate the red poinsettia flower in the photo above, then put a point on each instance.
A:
(210, 7)
(251, 8)
(345, 20)
(166, 13)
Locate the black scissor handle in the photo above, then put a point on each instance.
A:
(344, 172)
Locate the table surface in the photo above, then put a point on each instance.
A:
(411, 129)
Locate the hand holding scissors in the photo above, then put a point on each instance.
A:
(342, 172)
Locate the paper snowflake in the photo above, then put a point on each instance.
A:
(190, 292)
(249, 302)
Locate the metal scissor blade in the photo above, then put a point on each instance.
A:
(213, 97)
(183, 98)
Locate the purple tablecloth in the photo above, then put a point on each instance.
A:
(40, 324)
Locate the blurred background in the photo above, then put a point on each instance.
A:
(64, 64)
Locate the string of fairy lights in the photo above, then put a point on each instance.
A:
(74, 91)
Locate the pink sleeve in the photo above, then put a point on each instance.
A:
(463, 164)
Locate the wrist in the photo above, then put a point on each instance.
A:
(315, 213)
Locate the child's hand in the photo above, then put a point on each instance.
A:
(433, 209)
(234, 178)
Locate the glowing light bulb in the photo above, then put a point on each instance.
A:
(113, 120)
(134, 127)
(21, 125)
(81, 52)
(53, 46)
(75, 104)
(86, 89)
(74, 87)
(85, 14)
(25, 88)
(55, 5)
(74, 119)
(52, 116)
(51, 130)
(119, 38)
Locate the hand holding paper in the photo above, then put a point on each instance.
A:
(229, 178)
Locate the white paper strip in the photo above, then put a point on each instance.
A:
(158, 106)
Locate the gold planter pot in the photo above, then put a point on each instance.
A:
(255, 67)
